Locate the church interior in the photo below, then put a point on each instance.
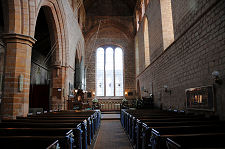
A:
(117, 74)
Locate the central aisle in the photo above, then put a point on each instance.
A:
(111, 136)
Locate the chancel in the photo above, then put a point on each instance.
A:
(112, 74)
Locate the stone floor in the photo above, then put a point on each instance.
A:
(110, 116)
(111, 135)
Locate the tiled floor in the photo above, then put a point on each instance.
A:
(112, 136)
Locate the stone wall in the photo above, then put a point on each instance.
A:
(189, 61)
(113, 31)
(75, 42)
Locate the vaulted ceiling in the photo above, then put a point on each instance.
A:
(109, 7)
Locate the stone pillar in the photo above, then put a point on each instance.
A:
(15, 100)
(58, 92)
(2, 60)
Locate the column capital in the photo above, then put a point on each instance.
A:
(57, 64)
(19, 38)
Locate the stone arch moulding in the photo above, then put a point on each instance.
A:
(92, 34)
(120, 27)
(55, 10)
(78, 51)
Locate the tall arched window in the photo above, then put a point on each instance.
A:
(167, 22)
(142, 8)
(109, 71)
(146, 42)
(136, 56)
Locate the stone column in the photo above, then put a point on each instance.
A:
(15, 100)
(58, 92)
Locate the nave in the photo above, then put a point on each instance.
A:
(89, 74)
(132, 128)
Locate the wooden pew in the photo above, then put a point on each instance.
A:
(34, 131)
(160, 134)
(95, 117)
(156, 119)
(196, 141)
(27, 123)
(73, 136)
(54, 123)
(34, 142)
(147, 126)
(89, 125)
(133, 123)
(126, 118)
(95, 114)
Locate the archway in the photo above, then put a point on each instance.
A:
(42, 60)
(77, 73)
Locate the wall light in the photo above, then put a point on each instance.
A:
(166, 89)
(216, 77)
(145, 90)
(126, 93)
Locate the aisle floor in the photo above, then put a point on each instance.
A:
(112, 136)
(110, 116)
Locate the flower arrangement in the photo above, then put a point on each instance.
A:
(95, 100)
(124, 100)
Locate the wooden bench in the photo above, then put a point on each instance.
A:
(86, 133)
(133, 123)
(50, 122)
(89, 125)
(95, 116)
(160, 134)
(34, 142)
(139, 124)
(49, 126)
(196, 141)
(144, 129)
(93, 120)
(73, 136)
